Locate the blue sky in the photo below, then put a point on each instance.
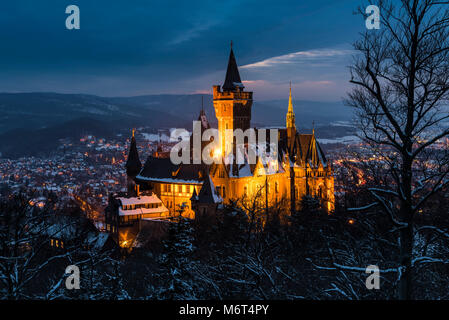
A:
(140, 47)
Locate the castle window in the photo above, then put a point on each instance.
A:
(276, 187)
(320, 192)
(224, 192)
(245, 191)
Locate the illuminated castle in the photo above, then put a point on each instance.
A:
(300, 167)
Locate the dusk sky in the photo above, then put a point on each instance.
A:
(138, 47)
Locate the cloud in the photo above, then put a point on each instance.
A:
(193, 32)
(202, 91)
(299, 57)
(255, 82)
(315, 84)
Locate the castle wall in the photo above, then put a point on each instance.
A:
(233, 111)
(279, 187)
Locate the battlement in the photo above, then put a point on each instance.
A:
(230, 95)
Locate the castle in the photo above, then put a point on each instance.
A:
(300, 167)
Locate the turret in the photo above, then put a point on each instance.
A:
(290, 113)
(207, 200)
(133, 164)
(290, 118)
(232, 80)
(232, 104)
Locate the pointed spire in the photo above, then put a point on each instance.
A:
(290, 103)
(133, 164)
(290, 113)
(314, 156)
(232, 80)
(208, 194)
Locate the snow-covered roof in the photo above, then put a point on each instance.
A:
(167, 180)
(139, 211)
(139, 200)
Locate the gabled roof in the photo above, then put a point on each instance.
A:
(163, 170)
(303, 148)
(208, 194)
(232, 80)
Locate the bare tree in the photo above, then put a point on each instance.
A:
(401, 93)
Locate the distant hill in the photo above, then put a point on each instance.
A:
(36, 142)
(264, 113)
(40, 110)
(33, 122)
(322, 113)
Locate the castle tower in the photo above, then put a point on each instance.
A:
(232, 104)
(290, 118)
(133, 165)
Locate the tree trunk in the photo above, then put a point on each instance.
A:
(406, 236)
(405, 283)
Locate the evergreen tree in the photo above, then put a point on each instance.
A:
(177, 261)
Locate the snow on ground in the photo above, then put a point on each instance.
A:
(164, 137)
(345, 139)
(155, 137)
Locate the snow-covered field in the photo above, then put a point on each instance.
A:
(346, 139)
(164, 137)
